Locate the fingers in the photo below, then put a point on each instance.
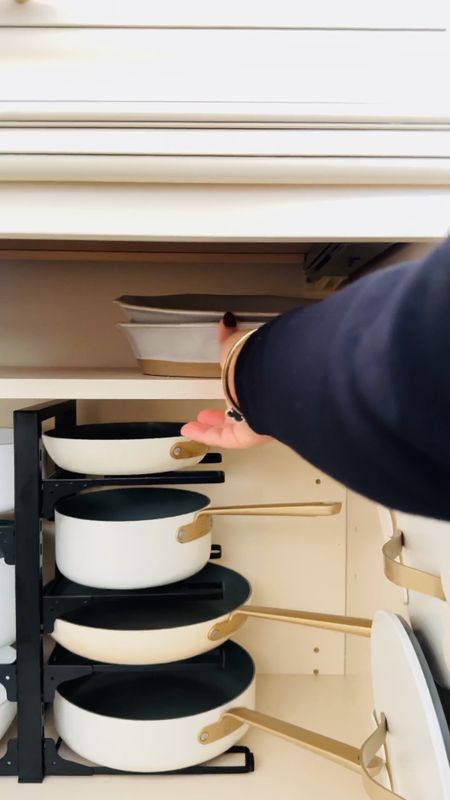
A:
(206, 434)
(228, 437)
(227, 326)
(212, 416)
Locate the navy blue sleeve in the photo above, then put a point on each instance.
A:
(359, 384)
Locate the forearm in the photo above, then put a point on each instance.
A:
(359, 384)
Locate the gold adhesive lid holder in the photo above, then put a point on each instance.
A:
(408, 577)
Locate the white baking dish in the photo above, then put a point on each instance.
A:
(187, 349)
(181, 308)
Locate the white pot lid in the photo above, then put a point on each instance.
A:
(418, 738)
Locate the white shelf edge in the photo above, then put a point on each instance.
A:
(91, 384)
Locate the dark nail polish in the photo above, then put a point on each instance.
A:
(229, 320)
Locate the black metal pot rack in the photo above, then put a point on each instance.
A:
(31, 682)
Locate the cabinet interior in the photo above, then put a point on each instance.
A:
(57, 311)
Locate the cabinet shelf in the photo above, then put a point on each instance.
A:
(29, 383)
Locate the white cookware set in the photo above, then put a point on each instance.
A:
(148, 721)
(170, 718)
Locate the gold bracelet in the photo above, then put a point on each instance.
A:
(231, 402)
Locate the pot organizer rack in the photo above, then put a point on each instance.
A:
(31, 682)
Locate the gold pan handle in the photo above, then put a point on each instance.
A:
(187, 449)
(202, 523)
(364, 759)
(332, 749)
(330, 622)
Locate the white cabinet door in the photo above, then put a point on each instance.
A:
(231, 75)
(346, 14)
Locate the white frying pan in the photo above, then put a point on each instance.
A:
(424, 548)
(149, 722)
(144, 537)
(7, 600)
(123, 448)
(170, 719)
(162, 629)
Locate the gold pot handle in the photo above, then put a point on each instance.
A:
(202, 523)
(408, 577)
(330, 622)
(187, 449)
(276, 510)
(368, 752)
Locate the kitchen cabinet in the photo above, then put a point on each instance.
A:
(191, 64)
(199, 13)
(60, 341)
(278, 70)
(181, 147)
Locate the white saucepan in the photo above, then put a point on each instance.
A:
(123, 448)
(161, 628)
(144, 537)
(6, 470)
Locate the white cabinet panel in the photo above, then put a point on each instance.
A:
(185, 67)
(225, 143)
(387, 14)
(223, 213)
(157, 155)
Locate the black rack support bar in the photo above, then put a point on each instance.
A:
(27, 466)
(8, 680)
(31, 756)
(56, 765)
(8, 764)
(7, 543)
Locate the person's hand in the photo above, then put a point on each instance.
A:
(212, 426)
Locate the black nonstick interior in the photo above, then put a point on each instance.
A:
(119, 430)
(130, 505)
(156, 613)
(166, 694)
